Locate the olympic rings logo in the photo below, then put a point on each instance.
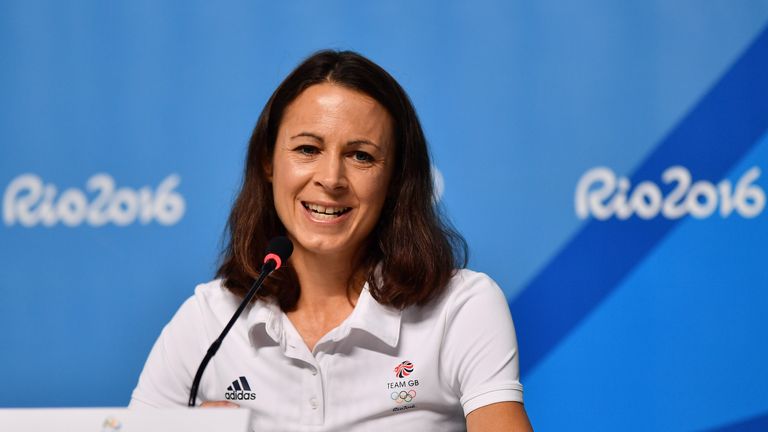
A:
(403, 396)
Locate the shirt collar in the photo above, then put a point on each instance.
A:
(379, 320)
(268, 314)
(374, 318)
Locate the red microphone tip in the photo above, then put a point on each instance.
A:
(275, 258)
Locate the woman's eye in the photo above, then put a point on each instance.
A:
(361, 156)
(306, 150)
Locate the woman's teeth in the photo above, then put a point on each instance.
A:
(326, 213)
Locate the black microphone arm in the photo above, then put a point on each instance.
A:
(278, 251)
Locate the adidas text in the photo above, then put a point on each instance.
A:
(239, 395)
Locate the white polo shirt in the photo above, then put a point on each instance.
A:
(423, 368)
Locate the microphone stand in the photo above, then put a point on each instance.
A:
(266, 269)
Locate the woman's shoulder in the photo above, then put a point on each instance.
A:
(466, 282)
(468, 287)
(210, 300)
(465, 275)
(213, 291)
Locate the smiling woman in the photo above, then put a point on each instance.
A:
(370, 325)
(330, 171)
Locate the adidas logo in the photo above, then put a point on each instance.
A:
(239, 390)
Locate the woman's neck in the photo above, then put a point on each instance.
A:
(329, 292)
(325, 280)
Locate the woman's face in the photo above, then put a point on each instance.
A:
(331, 167)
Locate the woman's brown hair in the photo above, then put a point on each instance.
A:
(414, 248)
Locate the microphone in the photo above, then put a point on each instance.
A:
(278, 251)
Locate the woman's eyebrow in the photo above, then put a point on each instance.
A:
(363, 141)
(308, 134)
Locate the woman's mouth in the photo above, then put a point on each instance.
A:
(325, 213)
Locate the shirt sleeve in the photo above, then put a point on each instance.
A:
(167, 376)
(480, 345)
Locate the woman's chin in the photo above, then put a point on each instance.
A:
(326, 247)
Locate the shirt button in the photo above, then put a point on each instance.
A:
(313, 403)
(314, 371)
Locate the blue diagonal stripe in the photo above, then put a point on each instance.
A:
(714, 135)
(754, 424)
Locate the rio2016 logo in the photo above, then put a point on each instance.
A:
(603, 195)
(29, 202)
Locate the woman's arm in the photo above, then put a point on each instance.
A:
(501, 417)
(480, 355)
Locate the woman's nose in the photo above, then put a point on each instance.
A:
(331, 173)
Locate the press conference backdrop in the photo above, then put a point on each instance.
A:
(605, 160)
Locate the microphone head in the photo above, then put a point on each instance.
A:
(278, 250)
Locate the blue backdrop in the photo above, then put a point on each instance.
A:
(605, 160)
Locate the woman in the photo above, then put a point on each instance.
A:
(369, 325)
